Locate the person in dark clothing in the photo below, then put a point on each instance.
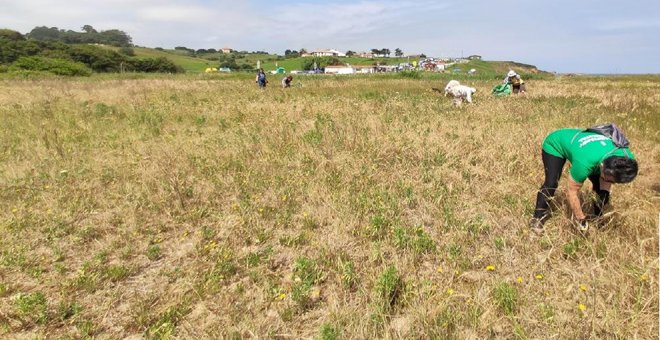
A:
(261, 79)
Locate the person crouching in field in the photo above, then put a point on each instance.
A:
(517, 84)
(286, 81)
(459, 92)
(261, 79)
(600, 154)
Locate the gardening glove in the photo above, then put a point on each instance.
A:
(581, 225)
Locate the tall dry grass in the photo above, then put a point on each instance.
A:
(345, 208)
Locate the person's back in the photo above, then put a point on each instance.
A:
(286, 81)
(261, 79)
(584, 149)
(600, 154)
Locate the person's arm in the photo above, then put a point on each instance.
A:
(574, 200)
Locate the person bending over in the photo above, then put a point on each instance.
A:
(592, 156)
(286, 81)
(516, 82)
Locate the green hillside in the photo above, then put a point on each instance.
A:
(486, 68)
(270, 62)
(190, 64)
(296, 63)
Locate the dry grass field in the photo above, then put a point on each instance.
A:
(346, 208)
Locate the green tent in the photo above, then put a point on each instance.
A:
(501, 90)
(279, 70)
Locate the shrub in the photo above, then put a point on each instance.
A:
(154, 65)
(96, 58)
(56, 66)
(10, 34)
(127, 51)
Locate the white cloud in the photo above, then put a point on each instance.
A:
(555, 34)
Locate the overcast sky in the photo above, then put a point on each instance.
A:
(585, 36)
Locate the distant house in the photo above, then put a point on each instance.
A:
(474, 57)
(226, 50)
(365, 54)
(339, 69)
(324, 53)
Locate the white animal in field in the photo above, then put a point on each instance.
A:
(459, 92)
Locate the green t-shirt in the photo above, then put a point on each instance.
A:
(585, 151)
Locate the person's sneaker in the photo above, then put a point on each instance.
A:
(536, 225)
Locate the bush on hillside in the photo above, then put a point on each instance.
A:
(60, 67)
(11, 50)
(321, 62)
(98, 59)
(111, 37)
(154, 65)
(10, 34)
(127, 51)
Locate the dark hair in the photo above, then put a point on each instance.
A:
(622, 169)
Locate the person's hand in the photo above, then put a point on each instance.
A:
(581, 225)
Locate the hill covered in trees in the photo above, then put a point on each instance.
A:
(74, 53)
(89, 35)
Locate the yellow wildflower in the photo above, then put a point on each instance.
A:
(539, 276)
(519, 279)
(490, 268)
(439, 270)
(583, 287)
(280, 297)
(450, 291)
(582, 307)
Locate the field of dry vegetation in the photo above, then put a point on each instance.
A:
(344, 208)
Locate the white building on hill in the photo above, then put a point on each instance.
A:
(324, 53)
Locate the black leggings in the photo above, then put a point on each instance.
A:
(552, 166)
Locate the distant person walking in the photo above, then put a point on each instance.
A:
(517, 84)
(286, 81)
(600, 154)
(261, 79)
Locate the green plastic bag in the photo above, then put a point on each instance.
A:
(501, 90)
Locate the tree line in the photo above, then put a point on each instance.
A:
(383, 52)
(19, 53)
(88, 36)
